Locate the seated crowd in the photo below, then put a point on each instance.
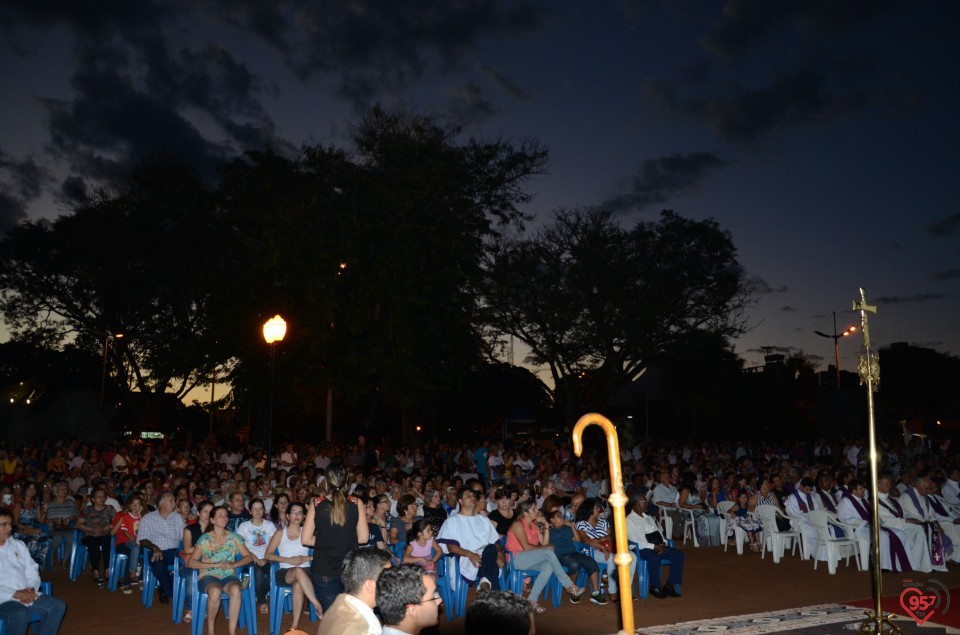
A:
(539, 507)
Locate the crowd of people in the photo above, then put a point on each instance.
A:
(315, 509)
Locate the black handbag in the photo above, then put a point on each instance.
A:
(654, 538)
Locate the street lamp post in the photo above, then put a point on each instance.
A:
(273, 331)
(103, 379)
(836, 345)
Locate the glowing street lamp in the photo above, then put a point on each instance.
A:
(273, 331)
(850, 330)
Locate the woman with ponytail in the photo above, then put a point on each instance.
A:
(334, 525)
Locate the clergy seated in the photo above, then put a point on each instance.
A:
(909, 530)
(942, 535)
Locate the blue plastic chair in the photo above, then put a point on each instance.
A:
(47, 589)
(452, 586)
(149, 583)
(642, 581)
(516, 576)
(180, 577)
(281, 601)
(79, 556)
(248, 604)
(118, 564)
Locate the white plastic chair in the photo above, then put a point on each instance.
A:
(836, 548)
(689, 522)
(666, 523)
(739, 535)
(773, 536)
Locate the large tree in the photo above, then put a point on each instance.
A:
(597, 303)
(408, 210)
(137, 260)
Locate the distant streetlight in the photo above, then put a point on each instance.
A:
(273, 331)
(836, 346)
(103, 380)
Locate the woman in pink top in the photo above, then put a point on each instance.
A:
(528, 542)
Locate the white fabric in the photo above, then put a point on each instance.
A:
(19, 569)
(473, 533)
(926, 513)
(373, 624)
(288, 548)
(912, 536)
(800, 522)
(639, 526)
(864, 533)
(951, 492)
(257, 538)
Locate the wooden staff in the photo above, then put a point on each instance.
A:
(618, 500)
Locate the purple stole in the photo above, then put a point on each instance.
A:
(938, 508)
(828, 500)
(803, 506)
(898, 553)
(937, 538)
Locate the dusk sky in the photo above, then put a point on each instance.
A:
(822, 134)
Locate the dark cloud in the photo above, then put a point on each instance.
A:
(23, 177)
(89, 19)
(74, 190)
(946, 227)
(787, 307)
(501, 81)
(111, 121)
(758, 286)
(21, 182)
(895, 245)
(468, 105)
(12, 210)
(946, 274)
(748, 22)
(659, 179)
(907, 299)
(816, 91)
(373, 48)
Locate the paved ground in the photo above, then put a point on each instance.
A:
(717, 584)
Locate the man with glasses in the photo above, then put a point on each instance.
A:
(408, 599)
(472, 536)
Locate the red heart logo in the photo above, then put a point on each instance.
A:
(914, 601)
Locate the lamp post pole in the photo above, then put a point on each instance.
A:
(274, 330)
(103, 379)
(836, 344)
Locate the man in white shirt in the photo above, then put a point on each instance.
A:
(120, 461)
(352, 612)
(643, 530)
(289, 458)
(20, 596)
(474, 538)
(665, 496)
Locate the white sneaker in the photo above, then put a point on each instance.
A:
(483, 586)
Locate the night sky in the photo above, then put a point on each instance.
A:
(822, 134)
